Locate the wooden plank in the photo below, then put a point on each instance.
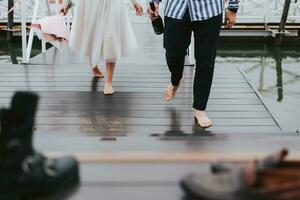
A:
(137, 148)
(138, 173)
(91, 151)
(121, 68)
(119, 121)
(128, 76)
(126, 108)
(125, 67)
(158, 74)
(114, 130)
(120, 89)
(116, 84)
(165, 157)
(127, 193)
(153, 114)
(89, 79)
(126, 71)
(133, 101)
(232, 146)
(126, 95)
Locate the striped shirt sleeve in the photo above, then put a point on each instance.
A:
(233, 4)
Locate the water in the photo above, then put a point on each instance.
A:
(278, 81)
(275, 73)
(11, 51)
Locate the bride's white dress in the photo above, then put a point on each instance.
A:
(101, 30)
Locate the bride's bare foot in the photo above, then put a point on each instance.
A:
(108, 89)
(97, 72)
(202, 120)
(170, 91)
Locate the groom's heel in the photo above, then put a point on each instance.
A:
(196, 121)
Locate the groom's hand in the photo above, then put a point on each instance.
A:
(153, 14)
(230, 19)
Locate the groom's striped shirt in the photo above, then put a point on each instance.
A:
(198, 9)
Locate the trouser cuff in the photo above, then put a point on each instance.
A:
(199, 107)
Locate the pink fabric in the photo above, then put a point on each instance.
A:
(55, 25)
(53, 28)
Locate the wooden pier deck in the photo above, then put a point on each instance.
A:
(134, 145)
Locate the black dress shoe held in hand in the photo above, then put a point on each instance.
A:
(24, 173)
(157, 23)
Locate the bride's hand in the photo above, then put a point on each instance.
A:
(138, 9)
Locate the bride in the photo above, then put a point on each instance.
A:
(102, 30)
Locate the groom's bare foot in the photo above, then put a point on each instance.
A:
(202, 120)
(170, 91)
(97, 72)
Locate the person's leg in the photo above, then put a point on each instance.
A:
(110, 68)
(206, 38)
(177, 38)
(95, 70)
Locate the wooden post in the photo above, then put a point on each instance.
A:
(31, 33)
(284, 17)
(278, 58)
(24, 31)
(10, 20)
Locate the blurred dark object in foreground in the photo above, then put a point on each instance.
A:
(271, 178)
(24, 173)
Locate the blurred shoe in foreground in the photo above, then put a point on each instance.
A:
(24, 173)
(271, 178)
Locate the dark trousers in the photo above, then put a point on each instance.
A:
(177, 38)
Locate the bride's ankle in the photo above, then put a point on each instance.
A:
(108, 83)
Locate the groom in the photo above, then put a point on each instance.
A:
(204, 19)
